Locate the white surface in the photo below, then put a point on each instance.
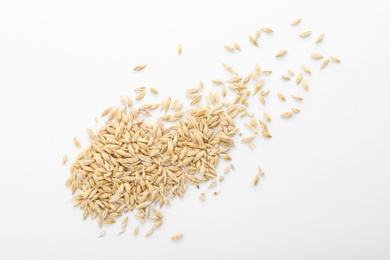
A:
(326, 194)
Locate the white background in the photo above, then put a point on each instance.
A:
(326, 193)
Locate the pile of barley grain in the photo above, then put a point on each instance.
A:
(133, 165)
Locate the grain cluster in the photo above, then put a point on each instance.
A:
(133, 165)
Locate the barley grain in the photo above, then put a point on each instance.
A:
(179, 49)
(334, 59)
(140, 67)
(286, 114)
(320, 38)
(281, 97)
(324, 63)
(297, 97)
(255, 180)
(177, 236)
(76, 142)
(281, 53)
(299, 78)
(305, 34)
(316, 56)
(64, 159)
(296, 21)
(306, 69)
(267, 30)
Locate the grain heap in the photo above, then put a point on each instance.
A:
(131, 164)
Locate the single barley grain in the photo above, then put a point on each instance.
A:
(305, 34)
(267, 117)
(255, 180)
(261, 172)
(292, 73)
(266, 134)
(316, 56)
(177, 237)
(286, 77)
(140, 67)
(334, 59)
(306, 69)
(320, 38)
(228, 47)
(102, 234)
(297, 97)
(286, 115)
(281, 53)
(236, 46)
(281, 97)
(179, 49)
(324, 63)
(124, 222)
(64, 159)
(121, 232)
(296, 21)
(253, 41)
(299, 78)
(202, 197)
(149, 233)
(295, 110)
(305, 85)
(76, 142)
(135, 231)
(153, 90)
(267, 30)
(213, 184)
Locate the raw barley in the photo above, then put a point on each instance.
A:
(287, 114)
(228, 47)
(305, 34)
(177, 236)
(236, 46)
(306, 69)
(281, 97)
(320, 38)
(281, 53)
(102, 234)
(316, 56)
(299, 78)
(334, 59)
(297, 97)
(179, 49)
(76, 142)
(295, 110)
(140, 67)
(267, 30)
(267, 117)
(296, 21)
(64, 159)
(324, 63)
(255, 180)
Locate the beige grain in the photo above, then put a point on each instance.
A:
(320, 38)
(296, 21)
(281, 53)
(286, 114)
(305, 34)
(179, 49)
(177, 236)
(140, 67)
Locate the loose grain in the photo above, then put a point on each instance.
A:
(177, 236)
